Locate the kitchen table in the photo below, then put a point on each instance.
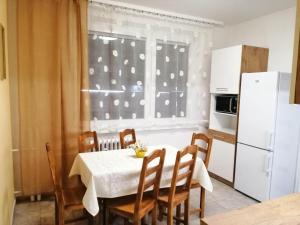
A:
(115, 173)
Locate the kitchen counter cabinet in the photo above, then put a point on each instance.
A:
(229, 63)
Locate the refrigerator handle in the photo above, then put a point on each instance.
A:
(268, 168)
(270, 140)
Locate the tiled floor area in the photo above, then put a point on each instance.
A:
(222, 199)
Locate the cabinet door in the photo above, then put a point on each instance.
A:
(226, 70)
(222, 159)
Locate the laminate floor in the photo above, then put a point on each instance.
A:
(222, 199)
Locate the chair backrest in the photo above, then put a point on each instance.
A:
(183, 170)
(204, 145)
(85, 144)
(150, 176)
(52, 165)
(123, 138)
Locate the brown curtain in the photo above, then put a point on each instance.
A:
(52, 71)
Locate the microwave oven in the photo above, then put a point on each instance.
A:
(226, 104)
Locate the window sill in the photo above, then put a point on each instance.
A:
(107, 127)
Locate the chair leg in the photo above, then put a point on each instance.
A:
(56, 213)
(202, 202)
(160, 212)
(178, 213)
(136, 221)
(61, 219)
(154, 216)
(106, 216)
(186, 211)
(170, 216)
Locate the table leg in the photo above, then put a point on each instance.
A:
(104, 219)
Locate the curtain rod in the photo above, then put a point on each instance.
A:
(155, 12)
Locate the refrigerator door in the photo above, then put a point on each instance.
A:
(258, 109)
(287, 143)
(253, 172)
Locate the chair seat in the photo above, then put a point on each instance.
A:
(178, 198)
(72, 197)
(124, 206)
(195, 184)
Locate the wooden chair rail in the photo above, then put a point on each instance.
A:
(185, 175)
(152, 170)
(203, 150)
(149, 184)
(186, 164)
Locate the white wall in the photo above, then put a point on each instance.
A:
(274, 31)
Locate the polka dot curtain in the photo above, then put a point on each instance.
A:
(158, 70)
(171, 79)
(117, 76)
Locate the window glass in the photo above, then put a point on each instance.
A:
(117, 76)
(171, 79)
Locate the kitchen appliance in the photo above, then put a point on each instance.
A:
(268, 137)
(226, 104)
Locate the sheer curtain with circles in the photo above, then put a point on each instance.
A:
(147, 71)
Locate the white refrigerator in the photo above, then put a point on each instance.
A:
(268, 137)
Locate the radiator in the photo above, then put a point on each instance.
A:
(112, 143)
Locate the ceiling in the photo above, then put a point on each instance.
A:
(227, 11)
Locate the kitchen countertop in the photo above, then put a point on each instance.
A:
(281, 211)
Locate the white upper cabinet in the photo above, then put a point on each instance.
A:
(226, 70)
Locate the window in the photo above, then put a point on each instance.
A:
(170, 60)
(117, 76)
(171, 79)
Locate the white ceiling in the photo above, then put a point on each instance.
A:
(227, 11)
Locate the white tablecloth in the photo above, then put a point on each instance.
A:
(110, 174)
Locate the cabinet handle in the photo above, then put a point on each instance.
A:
(218, 136)
(222, 89)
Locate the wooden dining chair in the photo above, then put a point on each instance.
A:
(136, 207)
(124, 135)
(204, 143)
(179, 192)
(66, 200)
(85, 144)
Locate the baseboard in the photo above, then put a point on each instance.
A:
(13, 212)
(221, 179)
